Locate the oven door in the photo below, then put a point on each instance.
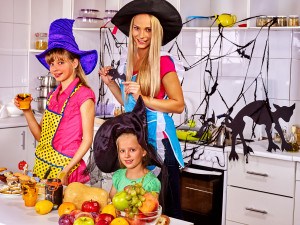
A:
(202, 195)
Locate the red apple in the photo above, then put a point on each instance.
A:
(66, 219)
(105, 216)
(21, 164)
(102, 222)
(84, 221)
(75, 212)
(90, 206)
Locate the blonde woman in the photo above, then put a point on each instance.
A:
(149, 24)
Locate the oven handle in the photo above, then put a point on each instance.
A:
(202, 172)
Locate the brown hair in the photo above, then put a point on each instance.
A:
(64, 55)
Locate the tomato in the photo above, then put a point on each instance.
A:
(22, 164)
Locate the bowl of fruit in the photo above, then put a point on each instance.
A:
(137, 205)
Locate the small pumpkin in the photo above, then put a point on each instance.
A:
(78, 193)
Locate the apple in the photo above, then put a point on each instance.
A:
(105, 216)
(66, 219)
(102, 222)
(90, 206)
(84, 214)
(74, 212)
(21, 164)
(95, 214)
(119, 201)
(84, 221)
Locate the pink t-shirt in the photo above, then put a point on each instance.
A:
(166, 66)
(69, 133)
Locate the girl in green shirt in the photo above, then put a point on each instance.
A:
(133, 160)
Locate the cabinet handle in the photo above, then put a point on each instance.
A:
(256, 210)
(257, 174)
(23, 140)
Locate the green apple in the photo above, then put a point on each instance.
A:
(119, 201)
(84, 220)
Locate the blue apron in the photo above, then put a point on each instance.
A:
(158, 123)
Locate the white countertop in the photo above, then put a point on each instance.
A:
(13, 212)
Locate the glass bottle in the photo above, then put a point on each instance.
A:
(293, 139)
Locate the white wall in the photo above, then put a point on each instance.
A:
(14, 26)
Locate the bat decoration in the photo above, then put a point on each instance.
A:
(260, 112)
(116, 75)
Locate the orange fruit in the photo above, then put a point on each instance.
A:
(66, 208)
(119, 221)
(109, 209)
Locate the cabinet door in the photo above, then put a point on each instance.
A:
(258, 208)
(297, 204)
(31, 144)
(13, 147)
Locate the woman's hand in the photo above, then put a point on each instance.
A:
(132, 88)
(63, 176)
(103, 72)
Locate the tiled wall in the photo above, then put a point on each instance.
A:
(281, 81)
(14, 26)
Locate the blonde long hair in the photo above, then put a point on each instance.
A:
(149, 71)
(64, 55)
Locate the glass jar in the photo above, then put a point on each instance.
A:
(41, 42)
(293, 21)
(282, 21)
(110, 12)
(270, 21)
(261, 21)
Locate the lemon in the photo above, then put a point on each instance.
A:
(119, 221)
(43, 207)
(110, 209)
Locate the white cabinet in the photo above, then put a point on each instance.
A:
(261, 192)
(297, 197)
(13, 147)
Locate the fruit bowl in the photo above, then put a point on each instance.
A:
(143, 218)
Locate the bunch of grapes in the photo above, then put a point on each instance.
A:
(135, 198)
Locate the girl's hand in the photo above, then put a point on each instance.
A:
(132, 88)
(16, 102)
(63, 176)
(103, 72)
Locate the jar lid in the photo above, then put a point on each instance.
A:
(41, 34)
(89, 10)
(293, 16)
(111, 10)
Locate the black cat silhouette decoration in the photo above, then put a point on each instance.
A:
(260, 112)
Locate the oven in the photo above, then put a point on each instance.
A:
(203, 185)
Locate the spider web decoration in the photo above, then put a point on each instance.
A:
(212, 88)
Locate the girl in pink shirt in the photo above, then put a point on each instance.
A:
(65, 133)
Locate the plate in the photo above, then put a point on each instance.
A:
(8, 195)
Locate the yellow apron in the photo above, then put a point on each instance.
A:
(47, 159)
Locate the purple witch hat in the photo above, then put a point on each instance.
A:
(61, 36)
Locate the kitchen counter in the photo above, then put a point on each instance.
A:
(13, 212)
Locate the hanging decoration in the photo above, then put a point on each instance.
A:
(258, 110)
